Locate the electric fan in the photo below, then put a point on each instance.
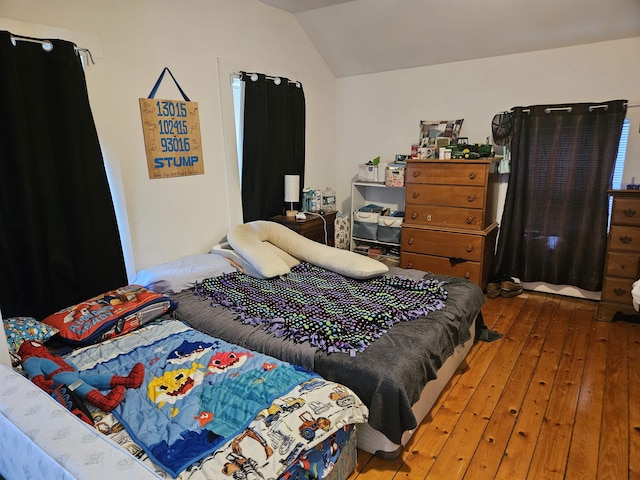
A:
(501, 128)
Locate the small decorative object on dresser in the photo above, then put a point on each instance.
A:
(450, 213)
(317, 227)
(622, 263)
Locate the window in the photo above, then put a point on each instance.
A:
(618, 168)
(616, 182)
(238, 110)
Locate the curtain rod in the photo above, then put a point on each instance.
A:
(568, 109)
(47, 45)
(254, 78)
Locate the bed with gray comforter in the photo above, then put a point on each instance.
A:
(388, 375)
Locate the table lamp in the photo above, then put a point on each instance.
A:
(292, 192)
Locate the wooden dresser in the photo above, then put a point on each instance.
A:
(312, 227)
(450, 217)
(622, 263)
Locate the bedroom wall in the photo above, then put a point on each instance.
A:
(201, 41)
(379, 114)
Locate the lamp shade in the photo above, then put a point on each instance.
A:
(292, 188)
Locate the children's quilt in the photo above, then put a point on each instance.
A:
(332, 312)
(202, 395)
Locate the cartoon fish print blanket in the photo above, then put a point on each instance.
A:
(198, 391)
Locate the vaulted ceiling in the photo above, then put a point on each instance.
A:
(367, 36)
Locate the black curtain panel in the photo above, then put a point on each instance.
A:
(273, 145)
(60, 241)
(554, 225)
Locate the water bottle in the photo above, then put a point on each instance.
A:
(328, 200)
(313, 202)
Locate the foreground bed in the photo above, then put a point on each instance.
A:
(206, 409)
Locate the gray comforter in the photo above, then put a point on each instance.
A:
(388, 376)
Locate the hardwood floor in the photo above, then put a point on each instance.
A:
(557, 397)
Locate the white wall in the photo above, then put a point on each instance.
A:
(199, 40)
(349, 120)
(379, 114)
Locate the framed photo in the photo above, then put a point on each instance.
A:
(434, 134)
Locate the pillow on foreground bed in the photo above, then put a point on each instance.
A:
(109, 315)
(21, 329)
(249, 241)
(181, 274)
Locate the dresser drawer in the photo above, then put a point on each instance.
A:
(624, 239)
(443, 244)
(446, 195)
(622, 265)
(448, 174)
(626, 211)
(437, 216)
(617, 290)
(442, 266)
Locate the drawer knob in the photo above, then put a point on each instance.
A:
(619, 291)
(472, 175)
(414, 215)
(469, 248)
(626, 240)
(467, 275)
(471, 198)
(428, 218)
(416, 173)
(410, 265)
(469, 220)
(629, 212)
(415, 194)
(410, 241)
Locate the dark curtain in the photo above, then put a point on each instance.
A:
(554, 225)
(60, 242)
(273, 145)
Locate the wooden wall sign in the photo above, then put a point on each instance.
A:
(172, 139)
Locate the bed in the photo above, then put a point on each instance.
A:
(203, 408)
(398, 376)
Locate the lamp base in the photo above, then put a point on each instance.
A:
(291, 213)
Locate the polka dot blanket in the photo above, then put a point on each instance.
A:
(332, 312)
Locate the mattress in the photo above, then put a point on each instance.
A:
(42, 439)
(389, 375)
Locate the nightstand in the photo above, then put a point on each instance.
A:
(312, 227)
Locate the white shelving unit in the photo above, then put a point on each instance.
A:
(364, 193)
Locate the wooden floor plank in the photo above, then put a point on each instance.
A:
(521, 445)
(613, 461)
(571, 374)
(452, 463)
(425, 450)
(632, 332)
(488, 455)
(550, 456)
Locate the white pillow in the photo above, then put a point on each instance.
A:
(250, 240)
(242, 264)
(181, 274)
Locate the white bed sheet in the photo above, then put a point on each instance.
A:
(40, 439)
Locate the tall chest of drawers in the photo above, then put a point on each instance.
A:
(450, 218)
(622, 262)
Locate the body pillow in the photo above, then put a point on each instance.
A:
(249, 241)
